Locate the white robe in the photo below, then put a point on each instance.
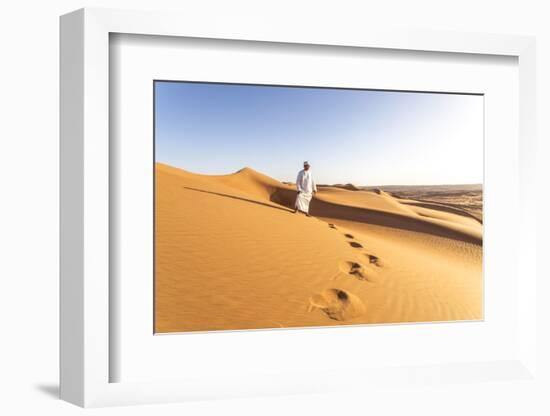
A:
(305, 186)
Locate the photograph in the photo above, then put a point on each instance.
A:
(279, 206)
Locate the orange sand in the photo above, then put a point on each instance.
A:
(231, 254)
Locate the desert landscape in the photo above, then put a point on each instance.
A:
(231, 254)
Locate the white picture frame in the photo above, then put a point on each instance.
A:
(85, 220)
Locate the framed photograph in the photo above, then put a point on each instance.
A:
(248, 236)
(237, 206)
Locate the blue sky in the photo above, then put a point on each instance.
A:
(358, 136)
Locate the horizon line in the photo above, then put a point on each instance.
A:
(323, 184)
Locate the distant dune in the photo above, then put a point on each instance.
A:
(460, 199)
(348, 186)
(231, 254)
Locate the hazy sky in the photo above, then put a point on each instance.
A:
(357, 136)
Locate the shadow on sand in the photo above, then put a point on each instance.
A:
(319, 208)
(325, 209)
(285, 198)
(240, 198)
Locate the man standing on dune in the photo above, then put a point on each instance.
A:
(306, 188)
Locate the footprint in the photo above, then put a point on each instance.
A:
(354, 269)
(355, 245)
(374, 260)
(349, 236)
(332, 226)
(338, 304)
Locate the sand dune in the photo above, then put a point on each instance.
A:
(231, 254)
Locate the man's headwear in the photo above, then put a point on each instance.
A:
(306, 163)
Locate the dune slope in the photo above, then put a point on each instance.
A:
(231, 254)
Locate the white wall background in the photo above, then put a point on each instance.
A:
(29, 204)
